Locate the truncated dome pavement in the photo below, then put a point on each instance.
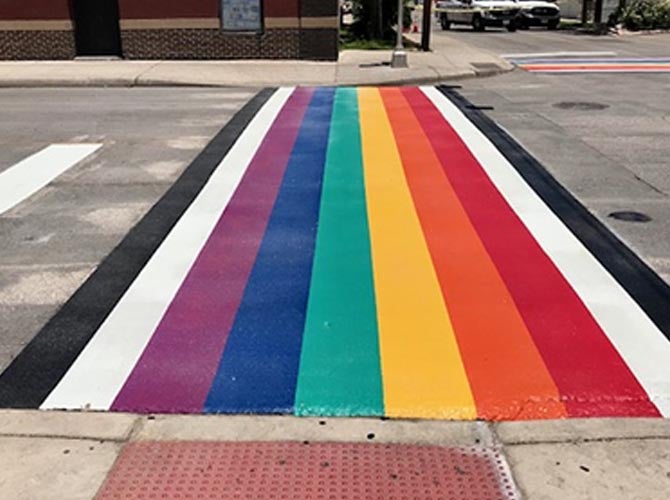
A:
(288, 471)
(371, 252)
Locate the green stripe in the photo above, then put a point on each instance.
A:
(340, 372)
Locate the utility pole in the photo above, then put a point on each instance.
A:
(426, 25)
(399, 59)
(375, 11)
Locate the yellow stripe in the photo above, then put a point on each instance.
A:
(423, 374)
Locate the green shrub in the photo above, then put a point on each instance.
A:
(643, 15)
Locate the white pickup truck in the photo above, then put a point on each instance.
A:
(478, 13)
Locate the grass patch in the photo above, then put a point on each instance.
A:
(570, 24)
(362, 44)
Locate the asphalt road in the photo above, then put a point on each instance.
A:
(329, 252)
(501, 41)
(50, 243)
(603, 136)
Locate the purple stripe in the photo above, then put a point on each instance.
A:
(175, 371)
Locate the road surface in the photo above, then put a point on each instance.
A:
(329, 252)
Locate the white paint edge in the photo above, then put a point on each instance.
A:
(98, 374)
(639, 342)
(557, 54)
(597, 60)
(25, 178)
(580, 71)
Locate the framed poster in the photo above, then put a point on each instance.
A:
(241, 15)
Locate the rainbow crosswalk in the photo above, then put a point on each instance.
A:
(594, 64)
(371, 251)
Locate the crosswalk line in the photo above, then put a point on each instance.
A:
(30, 175)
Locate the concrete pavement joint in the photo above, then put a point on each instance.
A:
(584, 440)
(64, 437)
(649, 184)
(136, 428)
(142, 73)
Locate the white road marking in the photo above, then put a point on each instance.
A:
(101, 369)
(535, 55)
(25, 178)
(637, 339)
(597, 70)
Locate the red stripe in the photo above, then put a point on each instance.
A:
(592, 378)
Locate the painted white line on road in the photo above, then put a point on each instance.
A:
(101, 369)
(637, 339)
(558, 54)
(596, 60)
(594, 70)
(25, 178)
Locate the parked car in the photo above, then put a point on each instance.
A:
(538, 13)
(478, 13)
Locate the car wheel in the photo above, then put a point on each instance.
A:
(478, 24)
(522, 25)
(444, 22)
(552, 25)
(511, 27)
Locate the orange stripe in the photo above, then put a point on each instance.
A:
(608, 67)
(507, 375)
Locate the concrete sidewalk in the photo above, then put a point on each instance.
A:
(68, 455)
(450, 61)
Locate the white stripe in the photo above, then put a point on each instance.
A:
(558, 54)
(589, 70)
(638, 340)
(30, 175)
(100, 371)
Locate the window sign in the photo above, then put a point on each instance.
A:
(241, 15)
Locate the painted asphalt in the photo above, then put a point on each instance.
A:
(592, 64)
(375, 252)
(30, 175)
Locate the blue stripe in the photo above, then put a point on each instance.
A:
(259, 367)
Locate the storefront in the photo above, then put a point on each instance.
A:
(169, 29)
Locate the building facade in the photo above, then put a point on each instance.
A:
(169, 29)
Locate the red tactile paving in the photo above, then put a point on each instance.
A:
(330, 471)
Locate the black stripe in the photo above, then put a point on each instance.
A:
(645, 286)
(44, 361)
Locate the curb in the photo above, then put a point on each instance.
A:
(141, 82)
(123, 427)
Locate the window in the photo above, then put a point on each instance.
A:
(241, 15)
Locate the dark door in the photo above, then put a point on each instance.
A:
(97, 30)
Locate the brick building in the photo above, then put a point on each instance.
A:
(169, 29)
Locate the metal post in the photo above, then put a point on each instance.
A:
(598, 13)
(425, 27)
(399, 59)
(585, 12)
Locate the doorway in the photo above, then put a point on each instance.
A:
(97, 31)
